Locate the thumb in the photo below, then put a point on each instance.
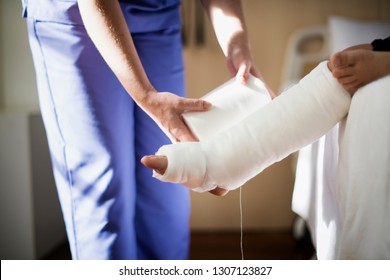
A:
(243, 73)
(219, 191)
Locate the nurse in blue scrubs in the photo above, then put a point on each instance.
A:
(107, 96)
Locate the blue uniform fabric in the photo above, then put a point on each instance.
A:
(112, 207)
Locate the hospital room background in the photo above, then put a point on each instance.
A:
(288, 38)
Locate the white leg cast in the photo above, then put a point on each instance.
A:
(291, 121)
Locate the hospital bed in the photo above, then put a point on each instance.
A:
(317, 166)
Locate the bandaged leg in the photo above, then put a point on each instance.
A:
(291, 121)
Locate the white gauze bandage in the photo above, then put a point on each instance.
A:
(294, 119)
(232, 102)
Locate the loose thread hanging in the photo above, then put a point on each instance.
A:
(241, 228)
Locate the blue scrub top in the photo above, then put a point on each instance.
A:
(141, 16)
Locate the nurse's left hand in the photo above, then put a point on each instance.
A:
(240, 62)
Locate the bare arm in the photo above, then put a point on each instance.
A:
(107, 28)
(228, 21)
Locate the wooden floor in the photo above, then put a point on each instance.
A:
(226, 246)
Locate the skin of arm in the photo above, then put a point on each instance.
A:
(106, 26)
(227, 19)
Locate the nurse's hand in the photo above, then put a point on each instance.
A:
(239, 59)
(166, 110)
(160, 163)
(240, 62)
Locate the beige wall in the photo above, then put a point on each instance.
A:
(17, 78)
(266, 198)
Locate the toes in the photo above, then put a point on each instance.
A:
(158, 163)
(219, 191)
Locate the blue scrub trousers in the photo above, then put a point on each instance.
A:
(112, 207)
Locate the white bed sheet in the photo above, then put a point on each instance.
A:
(342, 170)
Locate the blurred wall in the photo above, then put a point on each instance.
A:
(266, 198)
(18, 87)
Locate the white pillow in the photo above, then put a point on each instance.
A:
(346, 32)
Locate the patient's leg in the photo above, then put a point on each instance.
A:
(160, 163)
(294, 119)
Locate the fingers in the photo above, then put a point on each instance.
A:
(243, 73)
(246, 68)
(243, 76)
(158, 163)
(180, 131)
(172, 120)
(188, 104)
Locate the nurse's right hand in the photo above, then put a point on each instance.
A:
(166, 110)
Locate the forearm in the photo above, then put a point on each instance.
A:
(227, 19)
(107, 28)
